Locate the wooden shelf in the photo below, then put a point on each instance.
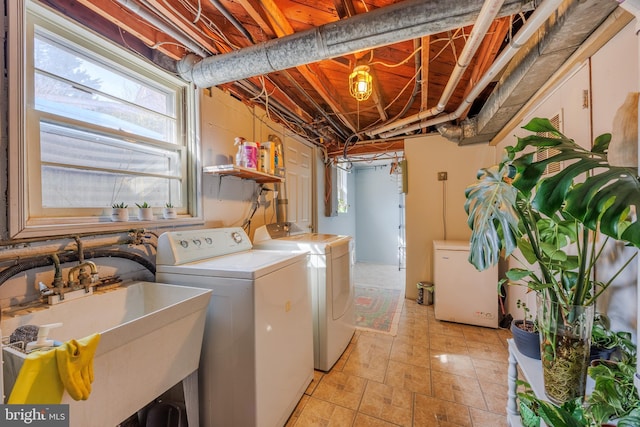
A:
(244, 173)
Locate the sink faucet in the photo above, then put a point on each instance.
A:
(83, 278)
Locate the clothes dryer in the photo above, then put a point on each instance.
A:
(257, 352)
(332, 289)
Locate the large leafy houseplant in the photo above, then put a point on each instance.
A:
(554, 220)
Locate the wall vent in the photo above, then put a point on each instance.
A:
(549, 152)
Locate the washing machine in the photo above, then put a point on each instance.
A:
(257, 352)
(332, 290)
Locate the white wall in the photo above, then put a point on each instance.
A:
(608, 76)
(227, 200)
(428, 199)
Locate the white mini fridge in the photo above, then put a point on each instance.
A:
(463, 294)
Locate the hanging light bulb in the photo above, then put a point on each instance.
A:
(360, 83)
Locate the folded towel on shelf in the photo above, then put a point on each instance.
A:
(45, 374)
(75, 365)
(38, 381)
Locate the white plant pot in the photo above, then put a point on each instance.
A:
(119, 214)
(169, 213)
(145, 214)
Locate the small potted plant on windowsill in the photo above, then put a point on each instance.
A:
(169, 211)
(145, 211)
(119, 212)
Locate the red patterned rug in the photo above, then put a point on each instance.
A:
(378, 309)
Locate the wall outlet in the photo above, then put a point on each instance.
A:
(442, 176)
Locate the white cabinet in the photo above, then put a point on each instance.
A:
(462, 293)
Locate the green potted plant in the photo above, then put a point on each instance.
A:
(169, 211)
(119, 212)
(145, 211)
(605, 341)
(525, 332)
(553, 221)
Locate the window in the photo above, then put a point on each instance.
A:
(341, 185)
(94, 125)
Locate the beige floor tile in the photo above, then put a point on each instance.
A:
(341, 389)
(494, 396)
(431, 374)
(320, 413)
(421, 340)
(409, 377)
(317, 376)
(388, 403)
(487, 419)
(371, 365)
(297, 411)
(453, 364)
(488, 351)
(363, 420)
(458, 389)
(439, 343)
(446, 328)
(371, 341)
(491, 370)
(409, 353)
(480, 334)
(434, 412)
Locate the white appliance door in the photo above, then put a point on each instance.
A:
(284, 343)
(341, 281)
(462, 293)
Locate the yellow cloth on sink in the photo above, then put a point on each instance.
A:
(38, 381)
(75, 365)
(46, 374)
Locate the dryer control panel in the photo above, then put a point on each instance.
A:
(180, 247)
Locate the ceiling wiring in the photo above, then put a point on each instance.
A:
(404, 61)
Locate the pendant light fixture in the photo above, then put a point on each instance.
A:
(360, 83)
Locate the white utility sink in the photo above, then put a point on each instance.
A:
(151, 335)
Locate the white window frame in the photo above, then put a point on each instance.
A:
(24, 166)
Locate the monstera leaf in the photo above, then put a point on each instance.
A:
(491, 216)
(602, 200)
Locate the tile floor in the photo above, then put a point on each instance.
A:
(431, 373)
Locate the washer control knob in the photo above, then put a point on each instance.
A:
(237, 237)
(184, 243)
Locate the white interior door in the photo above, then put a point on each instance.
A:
(298, 182)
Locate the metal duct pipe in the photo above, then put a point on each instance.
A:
(488, 13)
(232, 19)
(538, 18)
(401, 21)
(135, 7)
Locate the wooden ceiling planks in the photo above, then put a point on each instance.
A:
(317, 93)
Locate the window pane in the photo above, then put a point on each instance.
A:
(77, 147)
(73, 188)
(81, 169)
(72, 86)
